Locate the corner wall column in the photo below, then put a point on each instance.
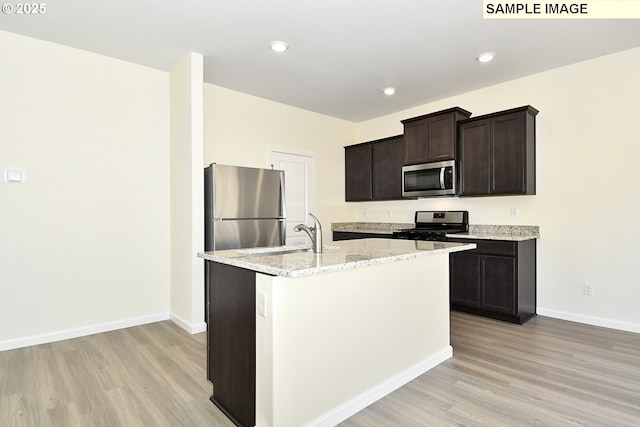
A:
(187, 205)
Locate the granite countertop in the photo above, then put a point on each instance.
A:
(484, 232)
(343, 255)
(370, 227)
(515, 233)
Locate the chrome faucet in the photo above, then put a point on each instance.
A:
(315, 233)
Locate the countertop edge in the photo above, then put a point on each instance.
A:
(476, 231)
(246, 262)
(497, 236)
(370, 227)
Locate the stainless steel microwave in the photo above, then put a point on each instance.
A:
(429, 179)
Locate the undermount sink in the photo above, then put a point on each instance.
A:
(281, 250)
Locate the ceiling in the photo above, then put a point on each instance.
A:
(342, 52)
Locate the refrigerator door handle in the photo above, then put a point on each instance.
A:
(283, 231)
(283, 204)
(283, 207)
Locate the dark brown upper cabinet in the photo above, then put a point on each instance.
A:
(432, 137)
(357, 172)
(373, 170)
(496, 153)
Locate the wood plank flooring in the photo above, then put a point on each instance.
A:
(151, 375)
(547, 372)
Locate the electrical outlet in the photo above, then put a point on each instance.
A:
(389, 212)
(514, 212)
(262, 304)
(587, 289)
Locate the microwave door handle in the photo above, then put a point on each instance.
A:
(442, 178)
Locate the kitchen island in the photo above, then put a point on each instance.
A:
(297, 338)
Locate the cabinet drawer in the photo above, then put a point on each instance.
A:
(490, 247)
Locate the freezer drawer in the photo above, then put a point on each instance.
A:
(247, 233)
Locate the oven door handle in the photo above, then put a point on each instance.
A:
(442, 178)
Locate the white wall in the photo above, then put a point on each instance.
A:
(587, 184)
(240, 129)
(84, 242)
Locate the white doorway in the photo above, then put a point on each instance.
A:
(300, 191)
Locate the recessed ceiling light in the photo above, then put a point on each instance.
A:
(389, 90)
(486, 57)
(279, 46)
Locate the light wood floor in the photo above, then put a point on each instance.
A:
(547, 372)
(151, 375)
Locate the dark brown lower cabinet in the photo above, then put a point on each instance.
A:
(497, 279)
(231, 341)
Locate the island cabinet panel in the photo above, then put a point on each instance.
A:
(432, 137)
(231, 340)
(497, 153)
(497, 279)
(373, 170)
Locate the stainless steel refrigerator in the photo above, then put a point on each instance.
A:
(244, 207)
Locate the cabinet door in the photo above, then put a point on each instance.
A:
(474, 157)
(498, 283)
(432, 137)
(464, 279)
(387, 160)
(415, 148)
(441, 138)
(357, 173)
(508, 154)
(497, 153)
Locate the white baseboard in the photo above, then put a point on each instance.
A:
(192, 329)
(589, 320)
(81, 332)
(358, 403)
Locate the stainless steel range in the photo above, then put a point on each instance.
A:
(435, 225)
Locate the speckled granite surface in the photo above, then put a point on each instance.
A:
(343, 255)
(500, 232)
(486, 232)
(370, 227)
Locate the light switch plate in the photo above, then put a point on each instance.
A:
(13, 175)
